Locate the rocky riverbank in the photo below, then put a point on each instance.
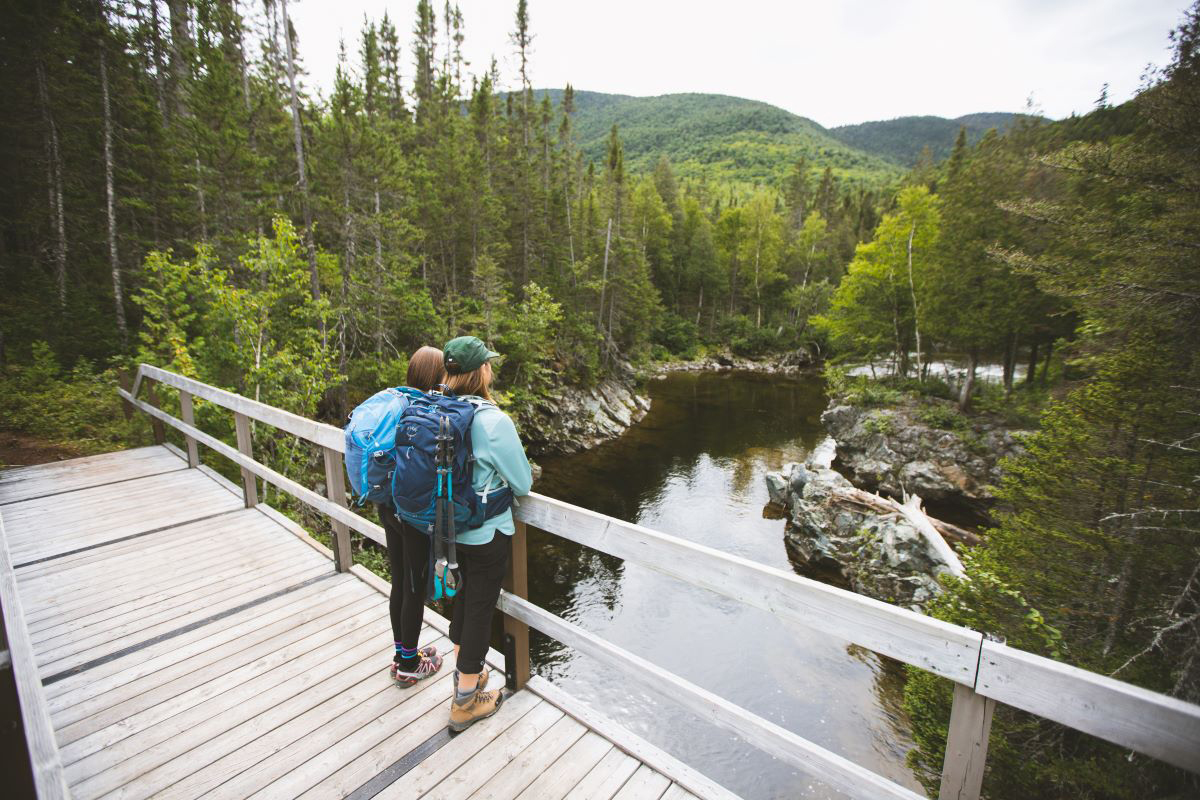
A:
(577, 419)
(923, 447)
(787, 364)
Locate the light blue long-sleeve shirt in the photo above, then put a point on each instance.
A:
(498, 456)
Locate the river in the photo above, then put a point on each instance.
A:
(694, 468)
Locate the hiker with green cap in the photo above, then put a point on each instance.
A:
(483, 552)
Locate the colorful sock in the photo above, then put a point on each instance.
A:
(407, 657)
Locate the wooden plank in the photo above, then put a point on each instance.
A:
(677, 792)
(232, 696)
(531, 762)
(310, 430)
(350, 519)
(335, 489)
(345, 731)
(45, 760)
(1147, 722)
(63, 477)
(63, 583)
(631, 743)
(516, 581)
(163, 688)
(463, 747)
(131, 678)
(147, 770)
(132, 573)
(188, 415)
(941, 648)
(276, 742)
(606, 778)
(245, 446)
(840, 773)
(275, 567)
(494, 755)
(646, 784)
(116, 611)
(145, 504)
(357, 771)
(562, 776)
(966, 745)
(63, 470)
(198, 561)
(80, 651)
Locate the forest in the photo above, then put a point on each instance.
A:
(175, 195)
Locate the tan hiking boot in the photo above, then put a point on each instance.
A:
(479, 705)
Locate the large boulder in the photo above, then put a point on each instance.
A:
(897, 451)
(879, 555)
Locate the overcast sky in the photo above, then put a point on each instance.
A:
(834, 61)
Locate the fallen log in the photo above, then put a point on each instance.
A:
(935, 531)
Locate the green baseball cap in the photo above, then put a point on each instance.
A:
(465, 354)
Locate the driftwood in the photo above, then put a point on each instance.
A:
(935, 531)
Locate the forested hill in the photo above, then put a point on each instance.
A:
(721, 138)
(901, 140)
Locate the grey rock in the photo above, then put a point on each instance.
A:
(881, 556)
(578, 419)
(895, 451)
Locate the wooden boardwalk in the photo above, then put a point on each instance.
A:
(188, 646)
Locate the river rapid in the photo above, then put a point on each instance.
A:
(694, 468)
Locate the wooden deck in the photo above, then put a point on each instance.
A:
(190, 646)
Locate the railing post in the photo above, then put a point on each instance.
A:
(156, 425)
(516, 633)
(335, 490)
(246, 448)
(966, 744)
(187, 413)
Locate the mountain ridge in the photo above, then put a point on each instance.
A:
(737, 140)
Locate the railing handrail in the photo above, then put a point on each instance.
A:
(1148, 722)
(49, 780)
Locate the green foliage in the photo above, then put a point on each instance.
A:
(880, 423)
(903, 140)
(726, 140)
(941, 416)
(77, 409)
(676, 335)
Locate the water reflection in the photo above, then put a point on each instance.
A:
(694, 468)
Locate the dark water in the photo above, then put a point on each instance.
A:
(694, 468)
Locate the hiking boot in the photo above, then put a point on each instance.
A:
(430, 662)
(479, 705)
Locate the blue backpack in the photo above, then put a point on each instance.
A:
(371, 443)
(413, 451)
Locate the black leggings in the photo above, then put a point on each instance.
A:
(482, 569)
(408, 557)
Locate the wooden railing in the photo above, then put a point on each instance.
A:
(984, 671)
(16, 654)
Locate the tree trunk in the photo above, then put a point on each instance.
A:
(181, 45)
(1046, 364)
(160, 69)
(1031, 371)
(964, 397)
(54, 186)
(118, 297)
(298, 138)
(604, 276)
(912, 288)
(1010, 362)
(700, 305)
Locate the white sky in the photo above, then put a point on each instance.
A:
(834, 61)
